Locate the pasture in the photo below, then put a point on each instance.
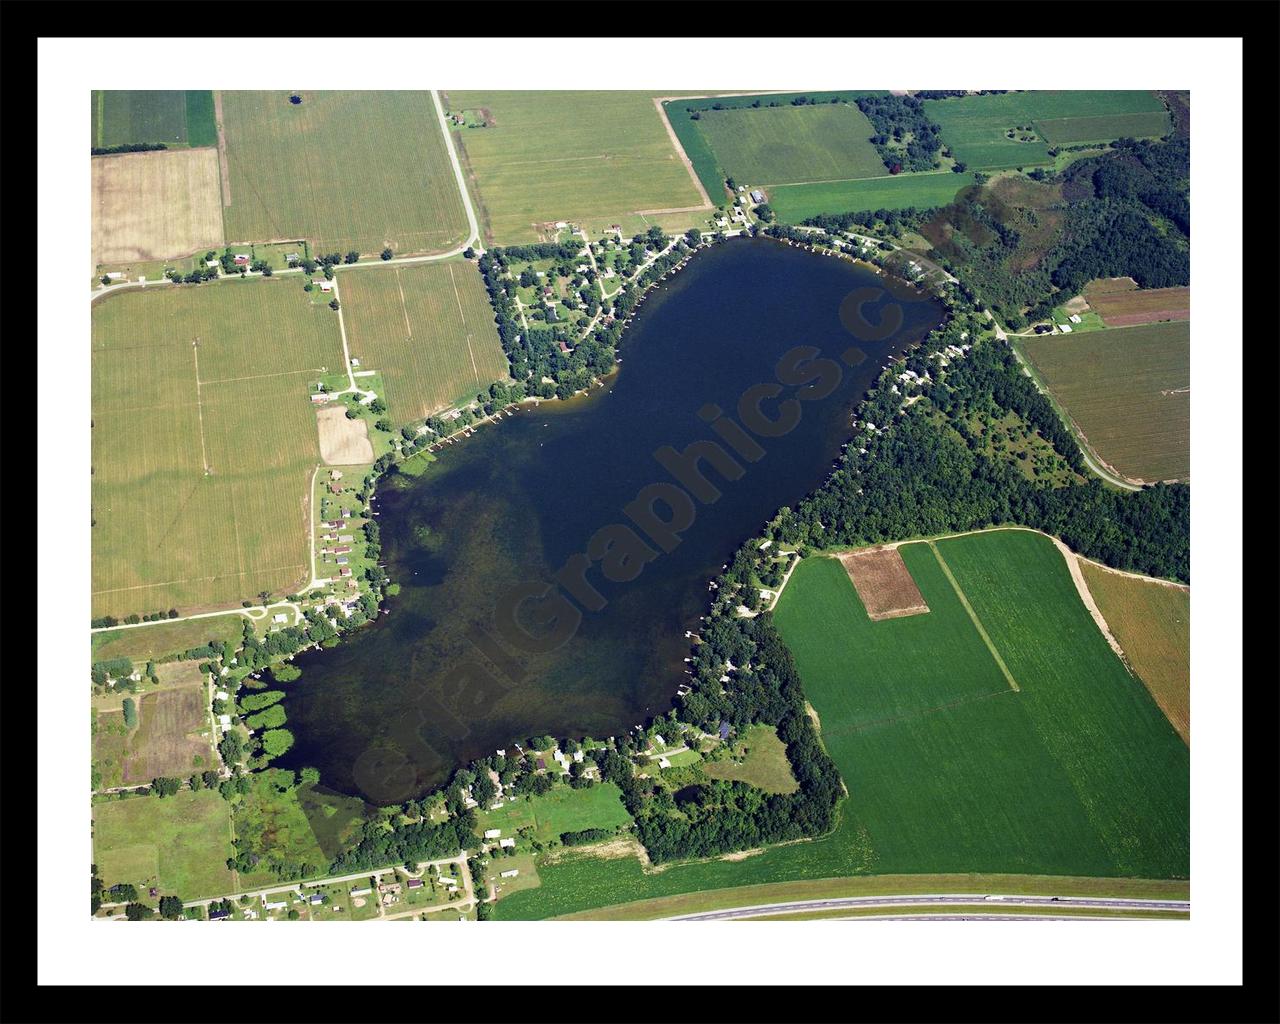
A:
(788, 145)
(151, 206)
(164, 638)
(590, 158)
(948, 769)
(796, 203)
(123, 116)
(563, 809)
(204, 442)
(344, 170)
(1128, 391)
(1152, 622)
(1128, 306)
(428, 329)
(179, 844)
(977, 128)
(758, 758)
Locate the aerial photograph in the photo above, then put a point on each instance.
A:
(633, 505)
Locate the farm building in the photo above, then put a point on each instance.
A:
(757, 196)
(361, 892)
(1064, 328)
(325, 286)
(1074, 318)
(510, 873)
(415, 883)
(492, 833)
(280, 617)
(508, 842)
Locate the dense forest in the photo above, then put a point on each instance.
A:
(905, 137)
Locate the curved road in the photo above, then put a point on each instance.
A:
(937, 900)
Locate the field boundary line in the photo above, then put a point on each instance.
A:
(977, 623)
(684, 157)
(196, 579)
(262, 376)
(874, 177)
(404, 308)
(475, 370)
(195, 354)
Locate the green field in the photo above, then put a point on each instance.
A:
(787, 145)
(163, 638)
(429, 329)
(590, 158)
(344, 170)
(563, 809)
(202, 455)
(1128, 391)
(179, 844)
(975, 127)
(759, 759)
(796, 203)
(120, 117)
(948, 769)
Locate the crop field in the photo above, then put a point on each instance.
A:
(179, 844)
(796, 203)
(204, 441)
(429, 329)
(786, 145)
(1127, 307)
(883, 583)
(1128, 390)
(167, 741)
(1152, 622)
(150, 206)
(344, 170)
(121, 117)
(976, 127)
(590, 158)
(949, 769)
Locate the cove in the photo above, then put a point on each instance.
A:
(391, 711)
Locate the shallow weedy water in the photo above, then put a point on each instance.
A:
(387, 714)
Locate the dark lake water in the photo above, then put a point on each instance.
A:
(438, 681)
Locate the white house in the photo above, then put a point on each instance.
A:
(224, 721)
(507, 842)
(1074, 318)
(511, 873)
(280, 617)
(492, 833)
(222, 695)
(1064, 328)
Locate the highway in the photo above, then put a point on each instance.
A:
(967, 900)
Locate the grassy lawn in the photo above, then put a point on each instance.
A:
(179, 844)
(795, 203)
(1128, 391)
(1152, 622)
(759, 759)
(592, 158)
(948, 769)
(429, 330)
(563, 809)
(781, 145)
(292, 168)
(196, 502)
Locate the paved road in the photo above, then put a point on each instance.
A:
(939, 900)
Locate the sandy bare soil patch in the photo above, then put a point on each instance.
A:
(153, 206)
(884, 584)
(343, 442)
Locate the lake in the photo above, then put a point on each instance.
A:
(445, 677)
